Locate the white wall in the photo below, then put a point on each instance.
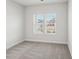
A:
(14, 23)
(61, 22)
(70, 26)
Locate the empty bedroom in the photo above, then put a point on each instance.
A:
(38, 29)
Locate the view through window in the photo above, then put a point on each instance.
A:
(44, 23)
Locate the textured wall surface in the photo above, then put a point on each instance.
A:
(14, 23)
(61, 22)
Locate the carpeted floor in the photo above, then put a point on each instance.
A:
(33, 50)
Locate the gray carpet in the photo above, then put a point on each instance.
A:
(33, 50)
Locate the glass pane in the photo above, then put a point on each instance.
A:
(39, 24)
(51, 23)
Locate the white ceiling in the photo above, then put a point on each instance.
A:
(35, 2)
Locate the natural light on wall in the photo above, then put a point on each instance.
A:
(44, 23)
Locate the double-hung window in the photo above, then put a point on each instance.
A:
(44, 23)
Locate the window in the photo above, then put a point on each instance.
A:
(50, 23)
(44, 23)
(38, 24)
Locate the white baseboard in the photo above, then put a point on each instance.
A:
(70, 49)
(45, 41)
(35, 41)
(13, 44)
